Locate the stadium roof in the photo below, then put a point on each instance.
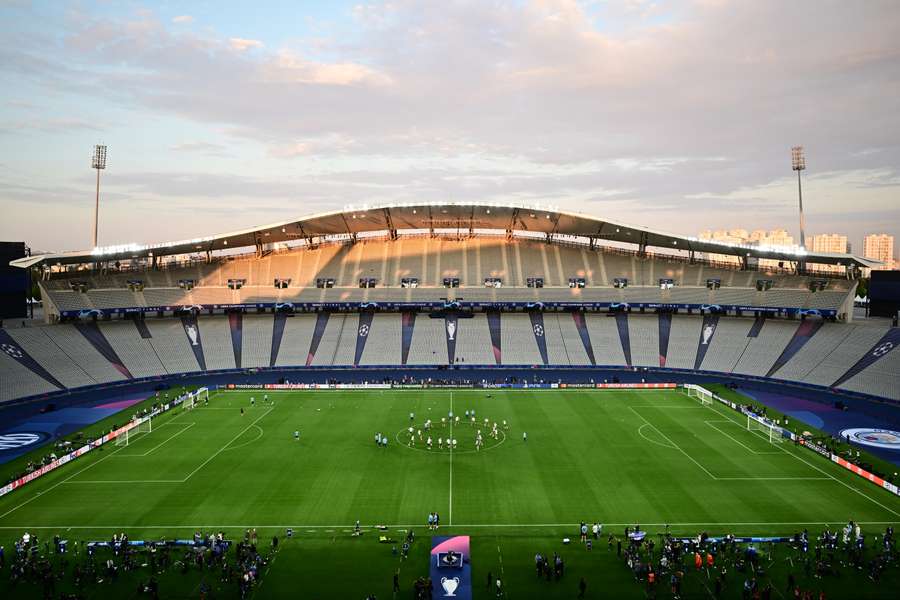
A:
(442, 216)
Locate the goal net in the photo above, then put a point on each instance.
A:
(701, 394)
(143, 427)
(767, 430)
(194, 398)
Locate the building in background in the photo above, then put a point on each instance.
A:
(776, 238)
(828, 242)
(880, 246)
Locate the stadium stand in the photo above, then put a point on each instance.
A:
(762, 351)
(16, 381)
(35, 341)
(858, 341)
(383, 345)
(81, 352)
(728, 343)
(257, 340)
(298, 333)
(881, 379)
(643, 331)
(605, 339)
(473, 344)
(518, 343)
(748, 339)
(136, 352)
(172, 346)
(428, 345)
(215, 336)
(683, 340)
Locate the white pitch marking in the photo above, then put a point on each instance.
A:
(829, 475)
(450, 520)
(148, 452)
(223, 448)
(674, 445)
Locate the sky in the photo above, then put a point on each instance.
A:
(223, 115)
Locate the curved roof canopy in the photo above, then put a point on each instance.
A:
(441, 216)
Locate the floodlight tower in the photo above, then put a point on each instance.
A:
(98, 162)
(798, 163)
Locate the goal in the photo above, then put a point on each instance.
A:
(194, 398)
(144, 426)
(702, 394)
(767, 430)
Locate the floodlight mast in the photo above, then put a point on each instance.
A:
(798, 163)
(98, 162)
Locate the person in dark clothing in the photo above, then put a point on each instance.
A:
(582, 587)
(397, 581)
(490, 580)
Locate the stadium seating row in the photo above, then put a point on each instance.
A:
(430, 260)
(111, 351)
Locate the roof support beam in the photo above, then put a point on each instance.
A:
(430, 222)
(512, 222)
(391, 230)
(347, 227)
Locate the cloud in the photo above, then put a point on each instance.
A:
(241, 44)
(183, 19)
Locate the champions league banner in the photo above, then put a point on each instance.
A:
(665, 329)
(888, 342)
(537, 326)
(451, 567)
(407, 323)
(95, 337)
(362, 334)
(451, 323)
(584, 334)
(706, 335)
(192, 331)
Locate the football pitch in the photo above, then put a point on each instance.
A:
(656, 458)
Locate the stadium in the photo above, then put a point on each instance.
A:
(426, 396)
(457, 300)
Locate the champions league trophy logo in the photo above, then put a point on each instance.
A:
(707, 334)
(449, 585)
(451, 331)
(192, 334)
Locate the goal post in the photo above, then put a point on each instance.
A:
(703, 395)
(145, 425)
(764, 429)
(192, 399)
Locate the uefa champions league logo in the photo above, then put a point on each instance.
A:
(707, 334)
(451, 330)
(11, 350)
(449, 584)
(538, 330)
(363, 330)
(883, 349)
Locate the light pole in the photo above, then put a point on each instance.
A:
(98, 162)
(798, 163)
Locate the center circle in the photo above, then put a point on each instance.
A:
(464, 434)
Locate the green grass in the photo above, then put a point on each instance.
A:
(617, 457)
